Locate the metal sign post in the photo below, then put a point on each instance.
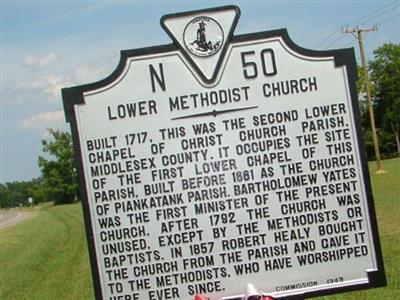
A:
(220, 161)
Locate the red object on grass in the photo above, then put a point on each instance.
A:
(199, 297)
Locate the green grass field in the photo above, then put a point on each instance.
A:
(46, 258)
(386, 191)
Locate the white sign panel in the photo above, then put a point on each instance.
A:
(221, 161)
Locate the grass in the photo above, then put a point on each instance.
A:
(386, 191)
(46, 258)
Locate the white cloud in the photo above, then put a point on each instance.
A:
(86, 73)
(42, 121)
(49, 85)
(33, 61)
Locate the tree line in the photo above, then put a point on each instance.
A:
(384, 72)
(59, 181)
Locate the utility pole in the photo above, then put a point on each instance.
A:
(358, 34)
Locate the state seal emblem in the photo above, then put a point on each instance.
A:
(203, 36)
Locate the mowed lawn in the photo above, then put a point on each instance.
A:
(46, 257)
(386, 191)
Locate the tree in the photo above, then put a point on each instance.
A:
(59, 174)
(385, 78)
(36, 190)
(17, 193)
(4, 196)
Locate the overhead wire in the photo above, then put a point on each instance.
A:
(326, 39)
(383, 10)
(379, 23)
(335, 41)
(358, 20)
(349, 44)
(378, 15)
(389, 18)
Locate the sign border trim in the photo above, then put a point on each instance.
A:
(73, 96)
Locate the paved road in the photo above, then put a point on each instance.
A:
(11, 217)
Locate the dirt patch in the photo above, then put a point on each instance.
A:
(11, 217)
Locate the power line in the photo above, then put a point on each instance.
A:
(378, 15)
(348, 44)
(324, 40)
(387, 19)
(379, 23)
(386, 10)
(334, 41)
(371, 13)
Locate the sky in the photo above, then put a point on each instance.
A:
(49, 45)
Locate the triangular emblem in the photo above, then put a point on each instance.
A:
(203, 36)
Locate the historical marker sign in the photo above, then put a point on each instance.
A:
(223, 160)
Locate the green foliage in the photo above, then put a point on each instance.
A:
(59, 174)
(385, 74)
(4, 196)
(385, 88)
(16, 193)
